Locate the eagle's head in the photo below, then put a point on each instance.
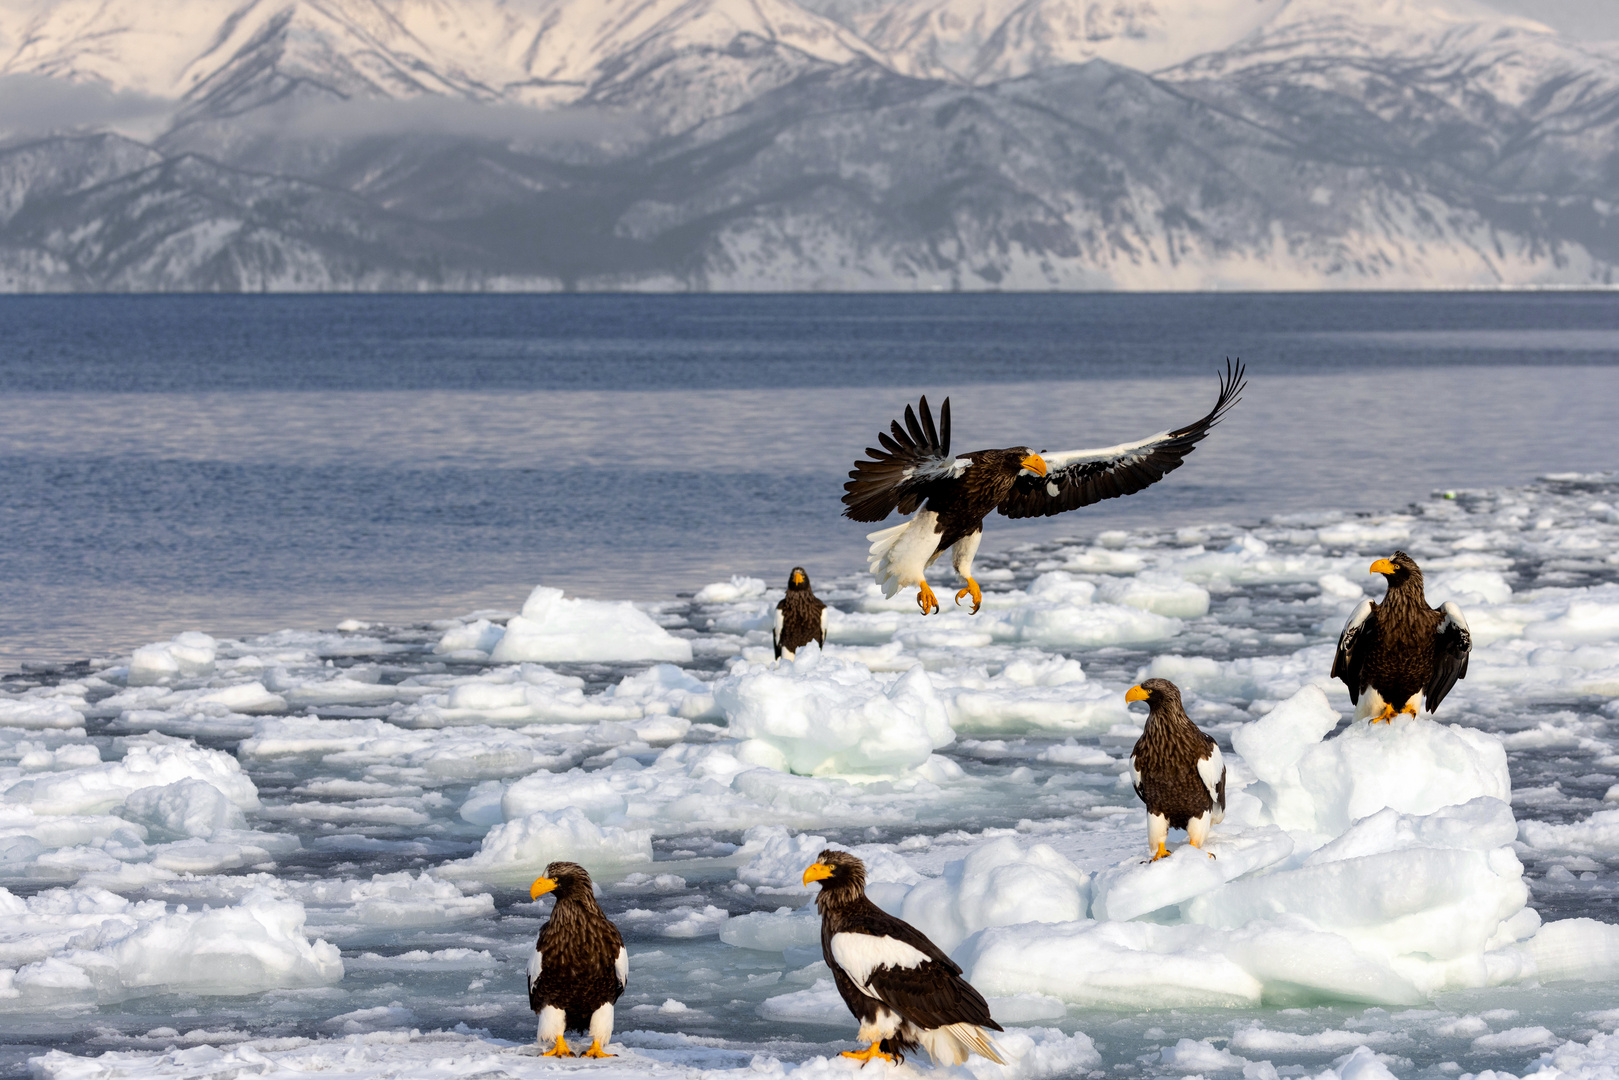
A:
(568, 880)
(1030, 462)
(798, 581)
(1398, 570)
(839, 873)
(1156, 693)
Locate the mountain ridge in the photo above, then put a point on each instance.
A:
(756, 144)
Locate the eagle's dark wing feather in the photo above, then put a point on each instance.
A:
(1080, 477)
(931, 996)
(896, 476)
(1452, 645)
(1354, 646)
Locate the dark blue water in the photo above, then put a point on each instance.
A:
(605, 342)
(237, 464)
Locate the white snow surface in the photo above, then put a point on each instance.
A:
(312, 850)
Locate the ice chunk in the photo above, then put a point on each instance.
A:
(151, 761)
(557, 629)
(729, 592)
(1137, 887)
(185, 808)
(1583, 949)
(190, 655)
(1162, 592)
(478, 636)
(774, 931)
(516, 851)
(1130, 964)
(1596, 835)
(997, 884)
(37, 713)
(86, 946)
(818, 715)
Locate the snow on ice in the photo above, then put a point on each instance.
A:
(315, 847)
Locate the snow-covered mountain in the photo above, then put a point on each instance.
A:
(762, 144)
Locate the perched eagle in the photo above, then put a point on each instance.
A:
(1177, 770)
(950, 496)
(579, 967)
(800, 617)
(1398, 655)
(902, 989)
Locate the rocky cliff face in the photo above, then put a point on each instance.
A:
(755, 144)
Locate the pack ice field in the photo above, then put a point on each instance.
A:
(313, 851)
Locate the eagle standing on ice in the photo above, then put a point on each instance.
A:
(800, 617)
(902, 989)
(915, 473)
(579, 967)
(1177, 770)
(1401, 654)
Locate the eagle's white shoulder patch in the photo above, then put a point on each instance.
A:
(1362, 612)
(824, 612)
(861, 954)
(781, 621)
(1210, 769)
(1453, 614)
(621, 967)
(536, 963)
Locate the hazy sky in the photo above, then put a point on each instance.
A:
(1588, 19)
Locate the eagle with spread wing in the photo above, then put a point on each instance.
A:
(947, 497)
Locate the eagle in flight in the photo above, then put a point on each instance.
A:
(948, 497)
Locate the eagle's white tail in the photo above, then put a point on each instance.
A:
(901, 553)
(950, 1045)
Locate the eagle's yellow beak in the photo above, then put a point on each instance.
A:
(1035, 464)
(798, 579)
(540, 888)
(817, 872)
(1135, 693)
(1383, 566)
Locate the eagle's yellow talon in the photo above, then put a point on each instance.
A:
(596, 1050)
(926, 600)
(1386, 716)
(1163, 853)
(973, 591)
(868, 1053)
(559, 1050)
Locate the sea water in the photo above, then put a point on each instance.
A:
(240, 463)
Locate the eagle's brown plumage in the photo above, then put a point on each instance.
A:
(801, 616)
(1177, 769)
(913, 472)
(902, 988)
(1390, 653)
(579, 963)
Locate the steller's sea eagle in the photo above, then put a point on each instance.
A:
(915, 473)
(579, 966)
(1177, 770)
(800, 617)
(1400, 655)
(904, 991)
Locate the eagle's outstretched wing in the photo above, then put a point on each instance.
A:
(896, 477)
(1080, 477)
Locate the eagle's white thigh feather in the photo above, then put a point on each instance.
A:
(861, 954)
(1209, 770)
(1197, 829)
(536, 964)
(900, 555)
(1371, 704)
(621, 967)
(961, 556)
(552, 1021)
(1157, 831)
(601, 1024)
(882, 1026)
(950, 1045)
(789, 654)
